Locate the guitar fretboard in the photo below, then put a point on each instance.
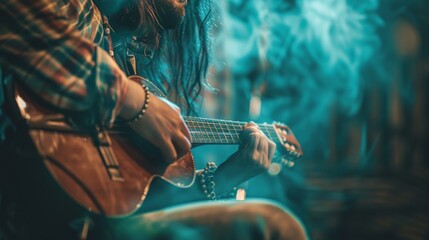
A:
(215, 131)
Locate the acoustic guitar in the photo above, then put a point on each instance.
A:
(109, 171)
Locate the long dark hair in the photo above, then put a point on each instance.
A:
(181, 60)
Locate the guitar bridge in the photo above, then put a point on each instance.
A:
(115, 174)
(103, 143)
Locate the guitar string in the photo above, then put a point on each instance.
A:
(226, 128)
(227, 123)
(225, 132)
(224, 135)
(237, 125)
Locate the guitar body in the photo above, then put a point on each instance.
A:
(82, 166)
(76, 165)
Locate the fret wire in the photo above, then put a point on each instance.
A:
(207, 133)
(199, 135)
(214, 125)
(266, 128)
(198, 127)
(201, 138)
(237, 132)
(194, 137)
(229, 131)
(226, 127)
(211, 130)
(202, 131)
(223, 132)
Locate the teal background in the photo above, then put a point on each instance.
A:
(350, 77)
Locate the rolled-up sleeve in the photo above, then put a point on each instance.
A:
(45, 51)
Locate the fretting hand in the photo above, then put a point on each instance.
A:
(253, 157)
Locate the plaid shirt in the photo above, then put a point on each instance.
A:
(52, 47)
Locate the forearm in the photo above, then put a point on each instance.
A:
(44, 51)
(133, 100)
(226, 180)
(229, 175)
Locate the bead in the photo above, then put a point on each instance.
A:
(144, 107)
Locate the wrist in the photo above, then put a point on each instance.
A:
(232, 172)
(226, 178)
(133, 101)
(143, 109)
(210, 186)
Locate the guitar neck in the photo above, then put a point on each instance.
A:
(215, 131)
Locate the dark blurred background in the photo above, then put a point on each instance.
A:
(351, 79)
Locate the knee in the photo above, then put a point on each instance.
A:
(274, 221)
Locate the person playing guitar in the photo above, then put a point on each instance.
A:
(60, 54)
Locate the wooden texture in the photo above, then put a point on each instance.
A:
(77, 166)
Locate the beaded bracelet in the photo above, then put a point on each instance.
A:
(208, 185)
(143, 109)
(207, 181)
